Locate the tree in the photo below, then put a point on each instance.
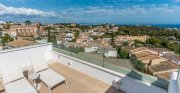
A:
(27, 22)
(136, 41)
(6, 39)
(137, 64)
(1, 29)
(112, 39)
(125, 43)
(7, 25)
(76, 34)
(123, 54)
(49, 36)
(153, 41)
(54, 41)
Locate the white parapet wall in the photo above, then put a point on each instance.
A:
(173, 85)
(91, 49)
(22, 54)
(127, 84)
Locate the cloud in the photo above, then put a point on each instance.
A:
(5, 10)
(176, 1)
(138, 13)
(133, 10)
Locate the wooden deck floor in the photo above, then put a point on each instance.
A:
(78, 82)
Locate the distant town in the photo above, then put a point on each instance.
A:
(148, 49)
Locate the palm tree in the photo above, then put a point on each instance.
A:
(27, 22)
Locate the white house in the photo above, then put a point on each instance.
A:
(107, 50)
(91, 48)
(69, 36)
(111, 52)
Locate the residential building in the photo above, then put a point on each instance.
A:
(120, 39)
(173, 57)
(107, 50)
(158, 61)
(7, 31)
(106, 41)
(148, 56)
(69, 36)
(27, 31)
(110, 52)
(91, 48)
(163, 69)
(84, 38)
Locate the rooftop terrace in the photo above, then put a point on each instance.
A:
(84, 75)
(78, 82)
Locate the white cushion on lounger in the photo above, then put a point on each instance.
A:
(51, 78)
(38, 63)
(20, 86)
(11, 71)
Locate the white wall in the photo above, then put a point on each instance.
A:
(129, 85)
(21, 54)
(173, 85)
(91, 49)
(111, 54)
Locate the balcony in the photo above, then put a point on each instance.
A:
(84, 75)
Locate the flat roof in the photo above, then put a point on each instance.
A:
(20, 43)
(148, 57)
(166, 66)
(172, 56)
(161, 49)
(137, 49)
(165, 75)
(78, 82)
(142, 54)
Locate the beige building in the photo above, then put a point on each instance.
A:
(163, 69)
(148, 56)
(156, 61)
(25, 31)
(84, 38)
(120, 39)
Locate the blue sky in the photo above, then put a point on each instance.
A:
(92, 11)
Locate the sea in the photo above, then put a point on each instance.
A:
(167, 25)
(156, 25)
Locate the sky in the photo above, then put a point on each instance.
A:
(92, 11)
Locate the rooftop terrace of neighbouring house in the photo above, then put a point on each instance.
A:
(164, 68)
(142, 50)
(84, 76)
(20, 43)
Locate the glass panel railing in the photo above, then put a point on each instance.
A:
(131, 73)
(178, 80)
(138, 75)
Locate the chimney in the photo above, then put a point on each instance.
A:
(160, 53)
